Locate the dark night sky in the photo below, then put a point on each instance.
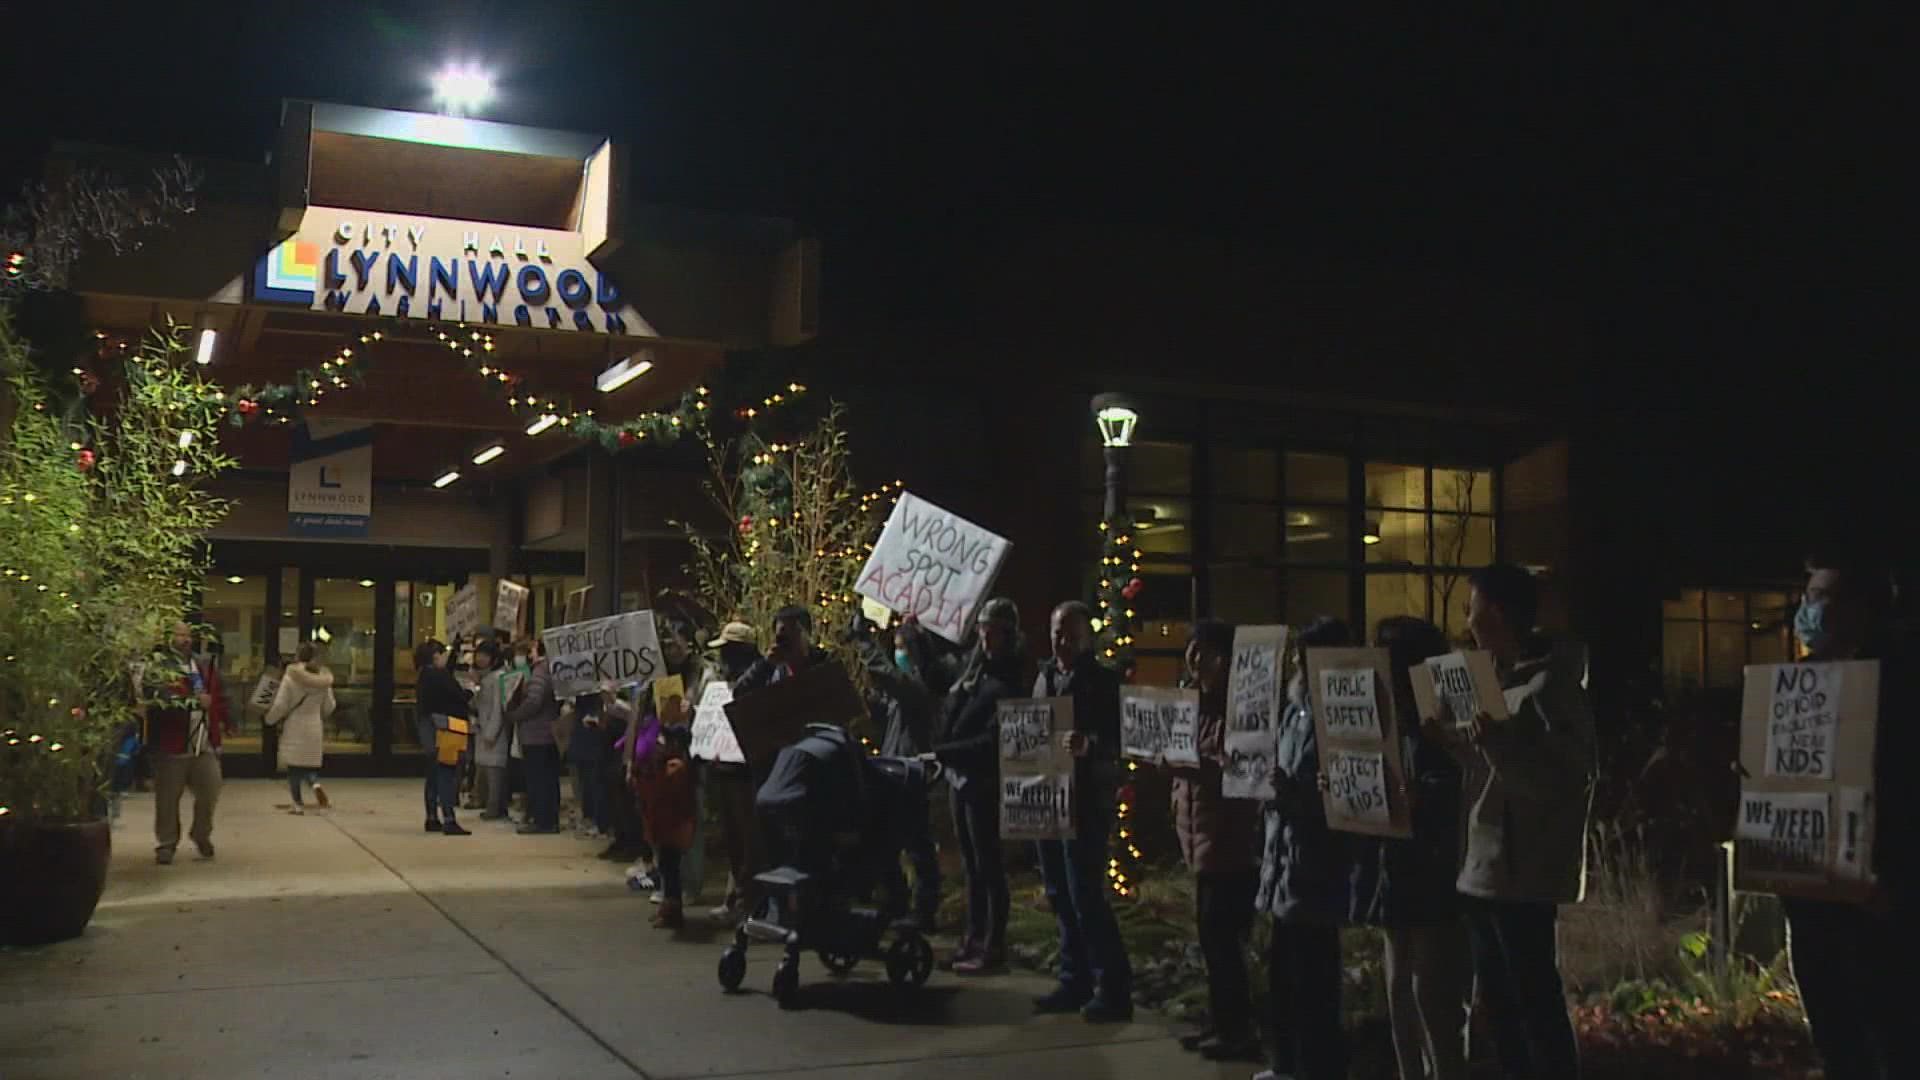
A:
(1702, 190)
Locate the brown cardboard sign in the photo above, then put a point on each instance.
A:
(1357, 733)
(1807, 734)
(773, 718)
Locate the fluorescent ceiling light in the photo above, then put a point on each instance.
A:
(446, 478)
(546, 421)
(366, 583)
(235, 579)
(624, 372)
(489, 454)
(204, 354)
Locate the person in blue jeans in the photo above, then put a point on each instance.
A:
(439, 698)
(1096, 978)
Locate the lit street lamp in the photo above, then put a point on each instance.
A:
(462, 89)
(1116, 417)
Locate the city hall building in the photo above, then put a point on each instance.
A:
(457, 295)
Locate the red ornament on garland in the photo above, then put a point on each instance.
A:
(1132, 588)
(1124, 795)
(247, 406)
(628, 438)
(746, 524)
(85, 459)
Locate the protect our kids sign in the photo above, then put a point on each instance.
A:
(934, 565)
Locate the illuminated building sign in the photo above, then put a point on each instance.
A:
(360, 263)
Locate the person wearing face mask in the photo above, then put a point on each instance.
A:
(1527, 783)
(1096, 978)
(968, 746)
(491, 739)
(1851, 961)
(903, 710)
(533, 710)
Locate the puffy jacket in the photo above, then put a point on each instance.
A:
(301, 706)
(1305, 867)
(1217, 834)
(535, 709)
(1528, 785)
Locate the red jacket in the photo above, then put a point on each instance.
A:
(1217, 835)
(167, 727)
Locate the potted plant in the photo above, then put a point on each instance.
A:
(104, 514)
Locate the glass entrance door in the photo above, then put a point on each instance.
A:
(343, 622)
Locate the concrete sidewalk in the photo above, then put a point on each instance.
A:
(353, 944)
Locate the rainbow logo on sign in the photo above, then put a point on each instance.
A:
(289, 273)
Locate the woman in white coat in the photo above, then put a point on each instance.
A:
(303, 702)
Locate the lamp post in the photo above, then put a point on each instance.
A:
(1115, 416)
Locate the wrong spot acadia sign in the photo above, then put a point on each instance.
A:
(932, 564)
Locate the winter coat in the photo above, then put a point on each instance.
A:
(170, 726)
(1305, 867)
(1217, 835)
(664, 780)
(1410, 882)
(900, 703)
(536, 710)
(492, 738)
(969, 740)
(301, 706)
(1095, 690)
(1528, 785)
(437, 694)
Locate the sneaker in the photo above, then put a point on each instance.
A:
(984, 962)
(1098, 1011)
(452, 828)
(296, 811)
(725, 915)
(657, 897)
(433, 824)
(163, 856)
(1064, 999)
(320, 796)
(205, 847)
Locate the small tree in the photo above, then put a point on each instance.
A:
(52, 225)
(798, 530)
(105, 523)
(1453, 524)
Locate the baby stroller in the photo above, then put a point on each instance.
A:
(837, 820)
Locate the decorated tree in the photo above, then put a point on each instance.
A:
(105, 519)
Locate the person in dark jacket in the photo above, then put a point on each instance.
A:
(1096, 978)
(1219, 838)
(1850, 959)
(438, 699)
(1406, 887)
(969, 747)
(1305, 876)
(533, 711)
(730, 785)
(903, 709)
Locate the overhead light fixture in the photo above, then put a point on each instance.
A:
(489, 454)
(446, 478)
(366, 583)
(323, 635)
(235, 579)
(204, 354)
(1116, 417)
(546, 421)
(462, 89)
(624, 372)
(1370, 533)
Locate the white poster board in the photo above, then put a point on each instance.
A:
(712, 735)
(509, 604)
(934, 565)
(610, 651)
(1036, 772)
(1465, 681)
(1254, 689)
(1802, 715)
(1158, 724)
(1783, 834)
(1356, 789)
(463, 611)
(1357, 732)
(264, 691)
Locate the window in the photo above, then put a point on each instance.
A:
(1426, 529)
(235, 607)
(1710, 635)
(343, 625)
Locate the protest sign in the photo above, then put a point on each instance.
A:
(670, 699)
(1254, 689)
(1801, 719)
(712, 735)
(934, 565)
(1464, 681)
(612, 651)
(1357, 732)
(774, 717)
(463, 611)
(264, 691)
(1157, 724)
(1036, 771)
(1807, 801)
(509, 604)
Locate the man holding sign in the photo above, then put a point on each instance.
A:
(1848, 958)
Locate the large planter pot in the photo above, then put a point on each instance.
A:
(51, 878)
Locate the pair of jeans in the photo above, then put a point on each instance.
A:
(440, 790)
(1849, 962)
(976, 825)
(590, 782)
(1517, 964)
(669, 864)
(299, 778)
(543, 785)
(1093, 957)
(1303, 994)
(1223, 910)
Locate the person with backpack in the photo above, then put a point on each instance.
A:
(300, 707)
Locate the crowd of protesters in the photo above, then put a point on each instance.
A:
(1467, 905)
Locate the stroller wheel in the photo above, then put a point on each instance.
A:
(838, 963)
(909, 960)
(786, 984)
(733, 968)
